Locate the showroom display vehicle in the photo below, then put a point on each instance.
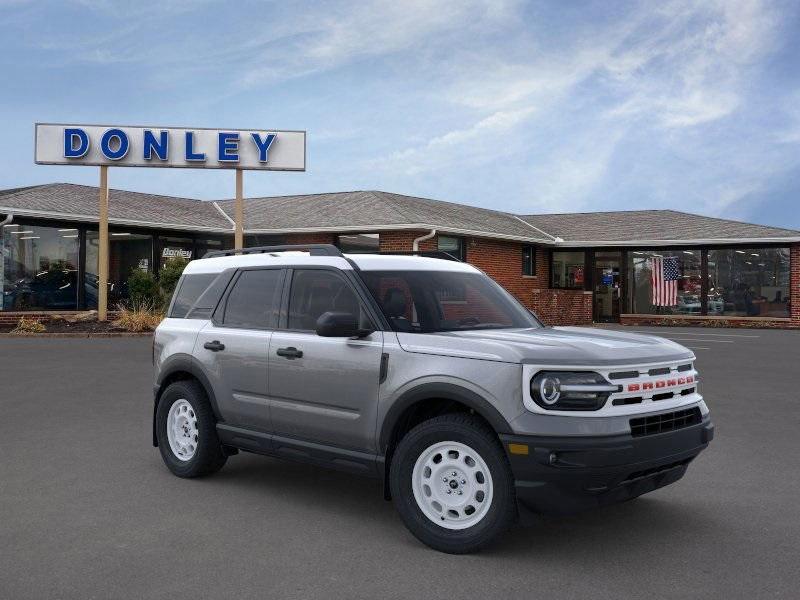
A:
(424, 372)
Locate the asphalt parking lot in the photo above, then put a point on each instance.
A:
(87, 509)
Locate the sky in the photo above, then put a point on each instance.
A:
(528, 107)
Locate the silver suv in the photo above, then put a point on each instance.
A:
(423, 372)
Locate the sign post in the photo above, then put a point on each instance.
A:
(175, 147)
(238, 236)
(103, 253)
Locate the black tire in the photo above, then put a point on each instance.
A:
(474, 433)
(209, 456)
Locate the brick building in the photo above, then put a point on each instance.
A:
(569, 268)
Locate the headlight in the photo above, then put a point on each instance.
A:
(565, 390)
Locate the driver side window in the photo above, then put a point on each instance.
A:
(317, 291)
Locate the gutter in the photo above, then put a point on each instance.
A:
(224, 214)
(7, 220)
(422, 238)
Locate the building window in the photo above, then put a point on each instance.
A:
(359, 243)
(568, 270)
(128, 252)
(39, 268)
(176, 247)
(454, 246)
(529, 260)
(666, 282)
(748, 282)
(252, 240)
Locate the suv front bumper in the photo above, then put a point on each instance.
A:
(567, 474)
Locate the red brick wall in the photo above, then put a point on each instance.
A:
(563, 307)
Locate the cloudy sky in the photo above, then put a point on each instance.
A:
(555, 106)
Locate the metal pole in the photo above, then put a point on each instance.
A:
(238, 241)
(102, 255)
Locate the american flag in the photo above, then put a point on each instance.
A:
(664, 279)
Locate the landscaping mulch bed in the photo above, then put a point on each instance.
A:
(63, 328)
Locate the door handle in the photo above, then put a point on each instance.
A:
(290, 352)
(214, 346)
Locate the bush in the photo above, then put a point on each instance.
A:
(141, 316)
(26, 325)
(169, 275)
(143, 288)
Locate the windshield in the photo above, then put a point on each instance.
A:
(436, 301)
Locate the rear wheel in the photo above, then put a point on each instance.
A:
(186, 431)
(452, 485)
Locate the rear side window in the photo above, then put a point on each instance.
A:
(189, 291)
(253, 301)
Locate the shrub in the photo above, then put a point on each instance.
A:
(142, 316)
(169, 275)
(143, 288)
(26, 325)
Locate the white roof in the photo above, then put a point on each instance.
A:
(365, 262)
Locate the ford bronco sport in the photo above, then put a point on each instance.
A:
(423, 372)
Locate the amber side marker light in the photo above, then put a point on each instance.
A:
(518, 448)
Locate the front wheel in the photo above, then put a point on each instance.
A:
(452, 485)
(186, 431)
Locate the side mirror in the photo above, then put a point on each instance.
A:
(339, 324)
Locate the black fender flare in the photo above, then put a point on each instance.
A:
(445, 391)
(187, 364)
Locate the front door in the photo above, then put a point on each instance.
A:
(607, 286)
(324, 389)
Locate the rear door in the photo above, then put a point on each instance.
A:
(233, 347)
(324, 389)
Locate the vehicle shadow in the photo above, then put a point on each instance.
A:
(619, 529)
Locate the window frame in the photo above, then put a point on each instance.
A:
(532, 249)
(355, 284)
(218, 316)
(462, 246)
(588, 261)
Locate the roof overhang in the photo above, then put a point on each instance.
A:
(684, 242)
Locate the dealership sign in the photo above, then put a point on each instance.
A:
(193, 148)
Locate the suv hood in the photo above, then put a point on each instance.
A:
(580, 346)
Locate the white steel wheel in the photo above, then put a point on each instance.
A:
(182, 432)
(452, 485)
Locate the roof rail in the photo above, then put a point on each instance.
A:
(313, 250)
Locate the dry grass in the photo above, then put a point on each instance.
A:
(138, 318)
(26, 325)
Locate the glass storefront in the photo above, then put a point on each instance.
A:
(568, 270)
(665, 282)
(748, 282)
(39, 267)
(176, 247)
(128, 251)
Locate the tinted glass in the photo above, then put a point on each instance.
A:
(568, 270)
(189, 291)
(666, 282)
(39, 268)
(253, 301)
(318, 291)
(748, 282)
(425, 302)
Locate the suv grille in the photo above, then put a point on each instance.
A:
(665, 422)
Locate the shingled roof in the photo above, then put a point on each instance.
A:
(364, 211)
(665, 226)
(374, 210)
(79, 202)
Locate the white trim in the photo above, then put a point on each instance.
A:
(94, 219)
(224, 214)
(686, 242)
(554, 238)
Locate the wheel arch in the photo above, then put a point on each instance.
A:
(181, 367)
(431, 399)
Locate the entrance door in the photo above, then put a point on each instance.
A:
(607, 286)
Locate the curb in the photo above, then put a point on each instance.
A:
(121, 334)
